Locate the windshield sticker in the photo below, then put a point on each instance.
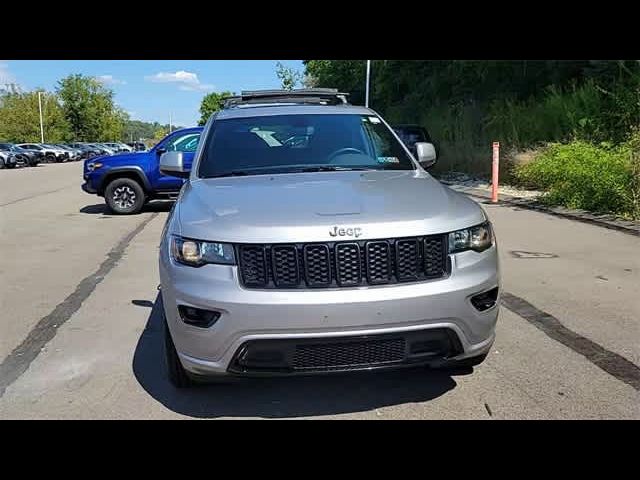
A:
(388, 160)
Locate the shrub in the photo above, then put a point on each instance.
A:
(599, 178)
(634, 191)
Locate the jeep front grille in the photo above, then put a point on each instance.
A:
(343, 264)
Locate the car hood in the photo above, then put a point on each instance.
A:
(306, 207)
(120, 158)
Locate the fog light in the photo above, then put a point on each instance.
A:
(486, 300)
(197, 316)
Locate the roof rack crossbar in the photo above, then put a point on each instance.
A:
(302, 95)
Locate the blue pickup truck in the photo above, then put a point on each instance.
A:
(128, 180)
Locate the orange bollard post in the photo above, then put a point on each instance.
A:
(495, 171)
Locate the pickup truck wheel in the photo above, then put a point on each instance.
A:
(124, 196)
(177, 374)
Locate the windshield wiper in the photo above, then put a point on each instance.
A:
(281, 170)
(327, 168)
(234, 173)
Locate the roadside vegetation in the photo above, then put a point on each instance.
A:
(574, 119)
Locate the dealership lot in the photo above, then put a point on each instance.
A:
(80, 333)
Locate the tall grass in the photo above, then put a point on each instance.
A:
(465, 131)
(558, 115)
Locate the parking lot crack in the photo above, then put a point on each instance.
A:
(18, 361)
(612, 363)
(37, 195)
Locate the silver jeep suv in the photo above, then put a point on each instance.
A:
(308, 239)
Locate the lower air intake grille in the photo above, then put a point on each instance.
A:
(348, 355)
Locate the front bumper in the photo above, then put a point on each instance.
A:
(323, 315)
(87, 188)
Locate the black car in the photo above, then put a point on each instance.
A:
(410, 134)
(23, 156)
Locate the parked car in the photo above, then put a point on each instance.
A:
(307, 239)
(61, 153)
(111, 150)
(51, 154)
(74, 153)
(137, 146)
(87, 150)
(103, 149)
(7, 159)
(118, 147)
(411, 134)
(23, 156)
(128, 180)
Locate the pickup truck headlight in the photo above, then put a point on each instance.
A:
(196, 253)
(93, 166)
(477, 238)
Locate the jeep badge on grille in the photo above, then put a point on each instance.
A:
(346, 232)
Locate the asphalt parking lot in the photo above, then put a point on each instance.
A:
(80, 333)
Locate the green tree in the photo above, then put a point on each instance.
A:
(211, 103)
(89, 109)
(137, 129)
(159, 134)
(20, 118)
(289, 77)
(345, 75)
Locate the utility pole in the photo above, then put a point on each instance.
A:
(366, 102)
(170, 124)
(41, 124)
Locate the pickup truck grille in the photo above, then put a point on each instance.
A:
(343, 264)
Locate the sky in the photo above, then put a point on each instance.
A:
(152, 90)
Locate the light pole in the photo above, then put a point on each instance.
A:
(41, 124)
(170, 124)
(366, 101)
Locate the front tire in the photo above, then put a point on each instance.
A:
(176, 372)
(124, 196)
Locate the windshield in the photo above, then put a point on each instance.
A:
(292, 143)
(5, 146)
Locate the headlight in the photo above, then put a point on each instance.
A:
(197, 253)
(93, 166)
(476, 238)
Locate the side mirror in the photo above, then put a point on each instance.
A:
(172, 163)
(426, 154)
(160, 151)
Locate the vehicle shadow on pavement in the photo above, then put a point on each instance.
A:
(279, 397)
(155, 206)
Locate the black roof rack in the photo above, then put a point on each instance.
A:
(320, 96)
